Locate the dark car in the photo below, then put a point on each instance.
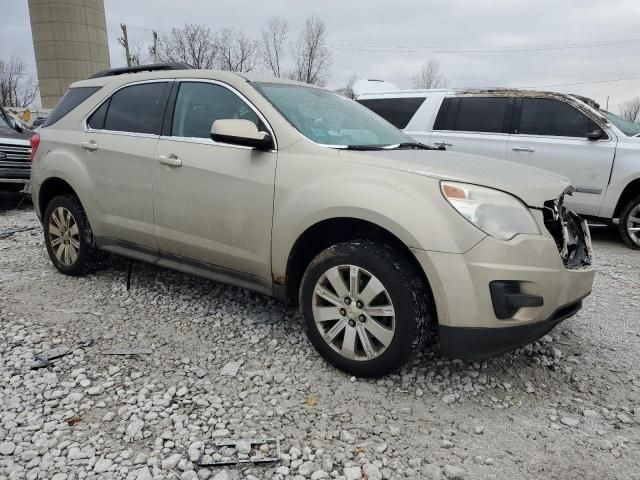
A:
(15, 153)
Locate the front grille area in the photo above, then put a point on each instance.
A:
(570, 232)
(14, 162)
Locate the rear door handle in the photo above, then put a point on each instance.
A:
(172, 160)
(523, 149)
(89, 145)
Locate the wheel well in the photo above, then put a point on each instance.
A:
(337, 230)
(51, 188)
(630, 191)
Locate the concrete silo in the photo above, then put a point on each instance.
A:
(70, 43)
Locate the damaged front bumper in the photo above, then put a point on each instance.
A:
(542, 280)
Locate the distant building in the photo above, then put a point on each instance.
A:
(70, 43)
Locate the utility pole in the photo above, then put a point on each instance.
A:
(124, 41)
(607, 107)
(155, 47)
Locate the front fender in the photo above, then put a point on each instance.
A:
(410, 207)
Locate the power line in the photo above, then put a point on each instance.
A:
(584, 83)
(447, 50)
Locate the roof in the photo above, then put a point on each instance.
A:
(168, 73)
(574, 100)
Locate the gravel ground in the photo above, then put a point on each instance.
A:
(567, 407)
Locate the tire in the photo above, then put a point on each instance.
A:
(79, 239)
(629, 212)
(403, 303)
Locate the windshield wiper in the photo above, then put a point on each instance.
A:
(416, 145)
(363, 147)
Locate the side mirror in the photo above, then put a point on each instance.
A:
(17, 126)
(240, 132)
(596, 134)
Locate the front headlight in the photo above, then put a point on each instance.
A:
(496, 213)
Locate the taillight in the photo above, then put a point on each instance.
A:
(35, 143)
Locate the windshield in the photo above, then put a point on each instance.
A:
(628, 127)
(330, 119)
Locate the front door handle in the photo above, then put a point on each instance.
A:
(172, 160)
(443, 144)
(523, 149)
(89, 145)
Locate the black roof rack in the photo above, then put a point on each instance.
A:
(153, 67)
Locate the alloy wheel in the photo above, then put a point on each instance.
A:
(64, 236)
(633, 224)
(354, 313)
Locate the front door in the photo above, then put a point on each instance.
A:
(552, 135)
(213, 202)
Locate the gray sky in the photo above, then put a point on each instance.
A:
(480, 43)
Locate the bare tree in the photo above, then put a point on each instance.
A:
(430, 76)
(630, 110)
(347, 90)
(237, 51)
(274, 39)
(194, 45)
(17, 87)
(311, 56)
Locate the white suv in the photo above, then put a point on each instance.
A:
(566, 134)
(297, 192)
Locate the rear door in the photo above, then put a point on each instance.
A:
(552, 135)
(474, 124)
(119, 144)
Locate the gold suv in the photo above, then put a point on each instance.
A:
(296, 192)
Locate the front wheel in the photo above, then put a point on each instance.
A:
(629, 224)
(365, 307)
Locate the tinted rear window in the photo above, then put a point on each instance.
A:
(475, 114)
(397, 111)
(548, 117)
(137, 109)
(70, 100)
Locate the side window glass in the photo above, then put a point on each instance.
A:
(397, 111)
(446, 118)
(483, 114)
(548, 117)
(97, 118)
(137, 109)
(71, 99)
(198, 105)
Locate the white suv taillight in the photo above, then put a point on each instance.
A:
(35, 143)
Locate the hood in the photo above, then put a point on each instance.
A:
(9, 133)
(533, 186)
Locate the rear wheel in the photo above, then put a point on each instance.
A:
(68, 236)
(629, 223)
(366, 309)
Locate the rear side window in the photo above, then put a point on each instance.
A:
(548, 117)
(198, 105)
(397, 111)
(137, 109)
(97, 118)
(70, 100)
(475, 114)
